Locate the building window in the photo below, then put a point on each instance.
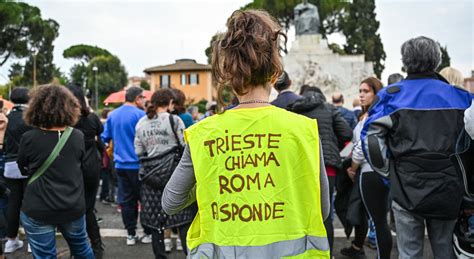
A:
(165, 81)
(183, 79)
(194, 79)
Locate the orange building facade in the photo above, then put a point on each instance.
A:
(186, 75)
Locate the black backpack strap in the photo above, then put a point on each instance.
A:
(171, 117)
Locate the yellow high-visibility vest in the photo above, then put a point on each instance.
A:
(257, 185)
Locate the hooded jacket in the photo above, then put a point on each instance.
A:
(333, 129)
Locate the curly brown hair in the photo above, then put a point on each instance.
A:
(52, 106)
(248, 53)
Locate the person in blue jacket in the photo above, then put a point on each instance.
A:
(410, 133)
(120, 128)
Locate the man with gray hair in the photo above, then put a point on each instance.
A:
(410, 142)
(394, 78)
(120, 128)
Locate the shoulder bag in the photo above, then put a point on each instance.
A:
(156, 171)
(54, 154)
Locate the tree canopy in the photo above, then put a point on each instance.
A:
(25, 34)
(445, 59)
(330, 12)
(84, 52)
(360, 27)
(111, 74)
(356, 20)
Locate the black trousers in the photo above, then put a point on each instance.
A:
(17, 189)
(158, 240)
(91, 186)
(375, 197)
(328, 223)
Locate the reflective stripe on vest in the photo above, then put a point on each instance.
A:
(312, 246)
(257, 184)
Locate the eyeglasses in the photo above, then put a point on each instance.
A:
(142, 96)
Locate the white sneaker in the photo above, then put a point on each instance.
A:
(146, 239)
(29, 248)
(179, 246)
(132, 240)
(12, 245)
(168, 245)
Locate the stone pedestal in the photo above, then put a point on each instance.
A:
(311, 62)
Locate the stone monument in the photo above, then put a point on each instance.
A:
(311, 62)
(306, 19)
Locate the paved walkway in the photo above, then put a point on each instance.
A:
(114, 239)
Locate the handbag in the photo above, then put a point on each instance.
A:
(156, 171)
(54, 154)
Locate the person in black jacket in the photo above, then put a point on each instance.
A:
(55, 199)
(410, 134)
(89, 124)
(334, 133)
(14, 181)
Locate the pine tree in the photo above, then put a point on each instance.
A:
(360, 28)
(445, 59)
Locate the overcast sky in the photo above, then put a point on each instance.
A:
(150, 33)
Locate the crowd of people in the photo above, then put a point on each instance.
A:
(254, 179)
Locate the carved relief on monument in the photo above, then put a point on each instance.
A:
(316, 76)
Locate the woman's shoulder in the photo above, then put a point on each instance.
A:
(32, 132)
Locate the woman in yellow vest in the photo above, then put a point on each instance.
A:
(256, 171)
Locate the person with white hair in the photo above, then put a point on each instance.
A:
(453, 76)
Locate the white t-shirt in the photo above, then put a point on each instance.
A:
(154, 136)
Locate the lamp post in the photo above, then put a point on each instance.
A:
(95, 69)
(34, 51)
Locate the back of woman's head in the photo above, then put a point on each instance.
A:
(19, 95)
(247, 54)
(79, 94)
(179, 100)
(160, 98)
(52, 106)
(453, 76)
